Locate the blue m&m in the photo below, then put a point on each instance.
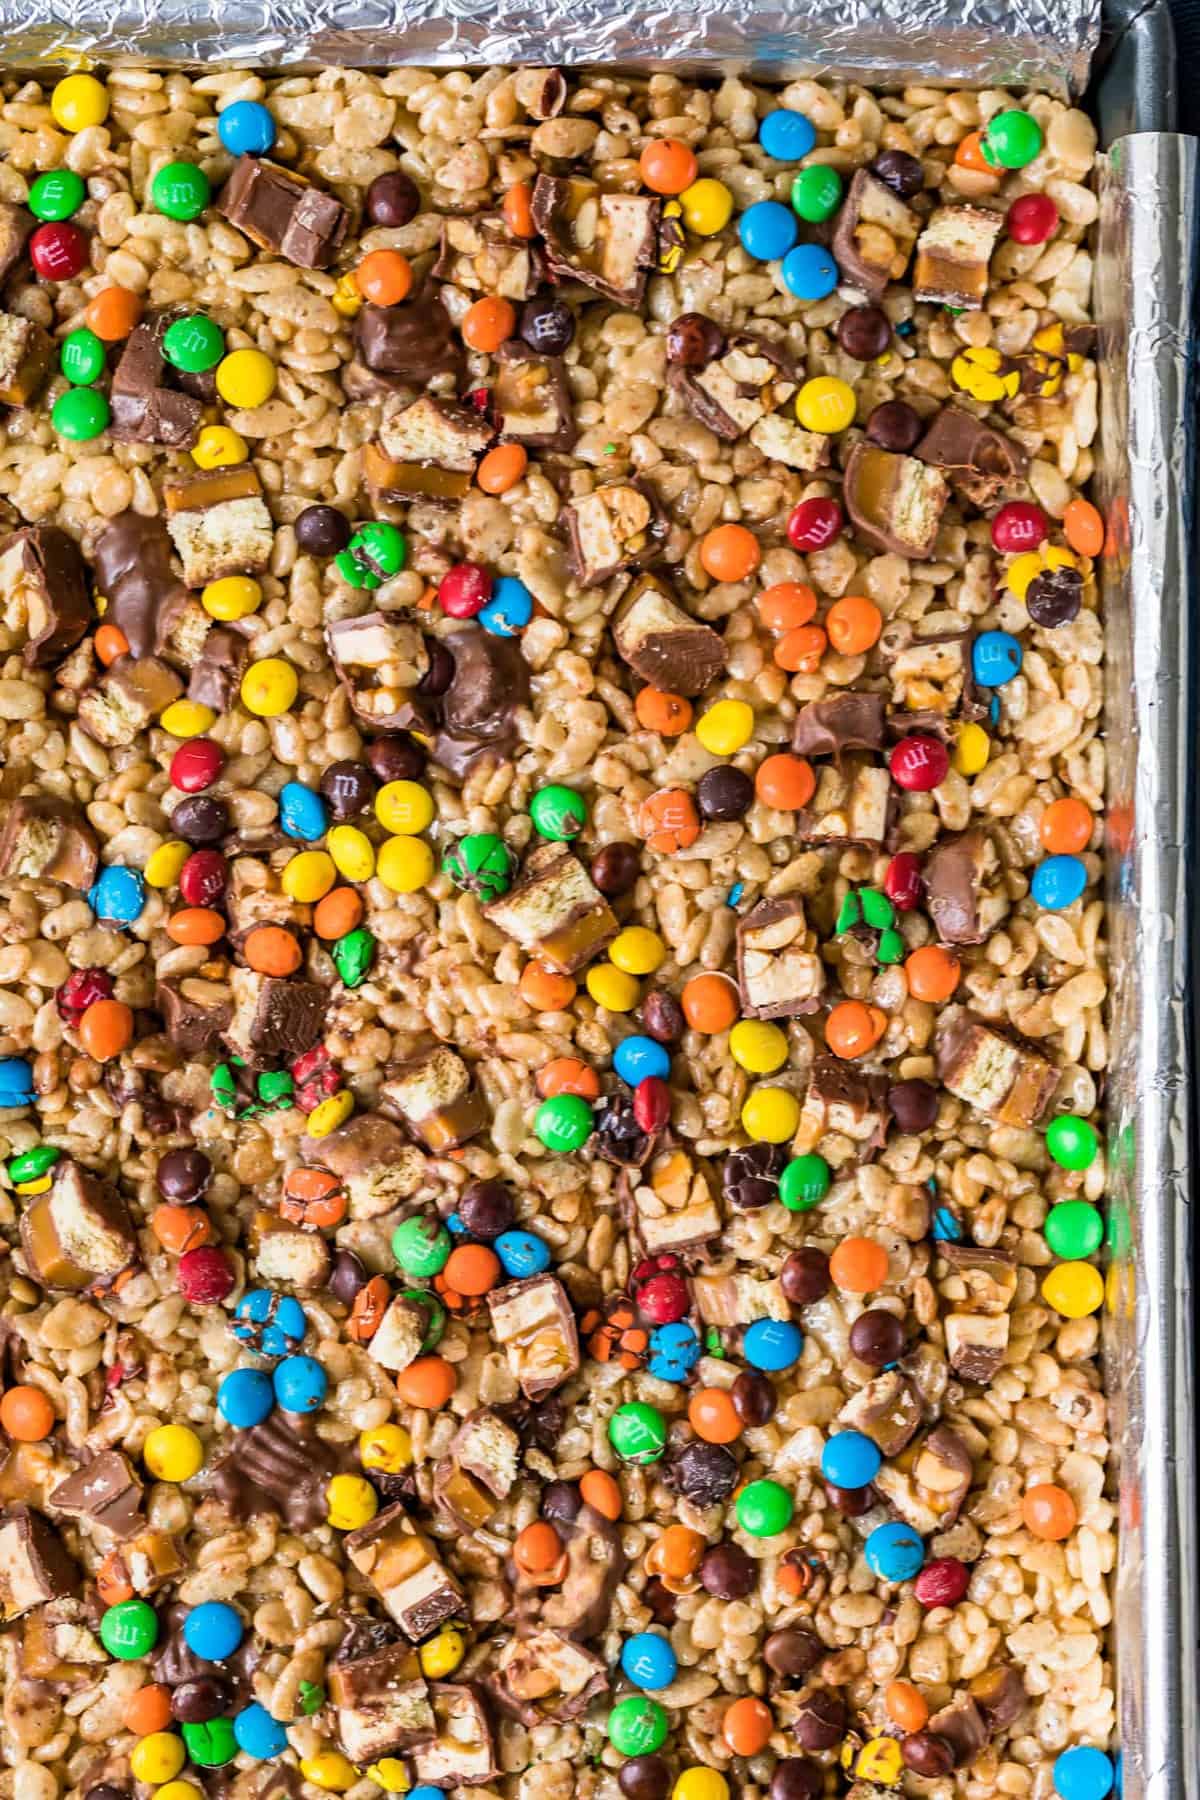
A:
(773, 1344)
(809, 272)
(767, 230)
(118, 897)
(510, 608)
(16, 1081)
(894, 1552)
(245, 1397)
(522, 1253)
(1083, 1773)
(246, 129)
(213, 1630)
(648, 1660)
(674, 1351)
(300, 1384)
(1058, 882)
(996, 656)
(787, 136)
(637, 1059)
(850, 1460)
(273, 1324)
(302, 812)
(258, 1734)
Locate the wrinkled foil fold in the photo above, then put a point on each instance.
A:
(986, 43)
(1146, 263)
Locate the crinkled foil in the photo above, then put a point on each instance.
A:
(1035, 43)
(1145, 269)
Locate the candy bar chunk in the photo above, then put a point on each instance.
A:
(490, 681)
(482, 256)
(1000, 1695)
(782, 440)
(980, 1288)
(845, 1103)
(611, 529)
(547, 1677)
(852, 805)
(480, 1471)
(662, 643)
(274, 1019)
(979, 462)
(962, 890)
(146, 599)
(148, 1562)
(217, 672)
(953, 253)
(929, 1480)
(382, 1703)
(607, 241)
(463, 1754)
(895, 502)
(401, 1334)
(874, 236)
(851, 721)
(393, 484)
(534, 1325)
(676, 1207)
(596, 1566)
(780, 973)
(47, 839)
(16, 225)
(932, 681)
(738, 1299)
(433, 1094)
(1010, 1081)
(290, 1256)
(129, 698)
(409, 344)
(34, 1565)
(195, 1013)
(254, 896)
(403, 1567)
(556, 911)
(531, 399)
(77, 1235)
(220, 525)
(26, 354)
(279, 211)
(57, 1645)
(962, 1726)
(144, 409)
(377, 1165)
(433, 431)
(887, 1410)
(380, 660)
(43, 594)
(107, 1492)
(734, 393)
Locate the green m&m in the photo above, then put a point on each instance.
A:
(56, 194)
(81, 413)
(559, 813)
(81, 357)
(194, 344)
(1073, 1229)
(353, 956)
(375, 553)
(275, 1087)
(1011, 140)
(804, 1182)
(129, 1630)
(638, 1432)
(1072, 1142)
(563, 1123)
(31, 1165)
(764, 1508)
(180, 190)
(421, 1245)
(480, 863)
(637, 1726)
(816, 193)
(211, 1744)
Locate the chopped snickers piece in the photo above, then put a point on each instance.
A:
(1010, 1081)
(887, 1410)
(932, 681)
(411, 343)
(34, 1565)
(16, 225)
(382, 1703)
(895, 502)
(607, 241)
(47, 839)
(289, 1255)
(393, 484)
(874, 235)
(780, 972)
(613, 528)
(107, 1492)
(146, 599)
(144, 409)
(737, 391)
(380, 660)
(929, 1480)
(845, 1102)
(377, 1165)
(26, 354)
(195, 1016)
(676, 1208)
(852, 805)
(547, 1677)
(279, 211)
(738, 1299)
(953, 253)
(219, 524)
(43, 593)
(961, 1725)
(254, 896)
(216, 676)
(403, 1567)
(531, 399)
(433, 431)
(482, 256)
(401, 1335)
(434, 1096)
(57, 1645)
(480, 1471)
(979, 462)
(534, 1325)
(956, 873)
(77, 1236)
(555, 911)
(463, 1753)
(147, 1562)
(662, 643)
(850, 721)
(274, 1019)
(980, 1289)
(1000, 1695)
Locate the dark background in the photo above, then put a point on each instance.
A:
(1186, 14)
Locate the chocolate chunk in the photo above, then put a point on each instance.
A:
(463, 1753)
(281, 1467)
(195, 1018)
(705, 1474)
(531, 398)
(954, 874)
(34, 1565)
(616, 527)
(960, 1724)
(546, 1677)
(953, 253)
(750, 1176)
(820, 1720)
(662, 643)
(274, 1020)
(43, 593)
(1054, 597)
(490, 681)
(533, 1323)
(895, 502)
(145, 410)
(1000, 1695)
(850, 721)
(434, 1096)
(403, 1567)
(411, 342)
(77, 1235)
(874, 234)
(999, 1075)
(26, 355)
(555, 911)
(596, 1563)
(609, 241)
(16, 226)
(979, 462)
(913, 1105)
(216, 678)
(105, 1491)
(279, 212)
(382, 1703)
(780, 972)
(48, 839)
(147, 602)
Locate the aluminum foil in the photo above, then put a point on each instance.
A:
(1035, 43)
(1147, 249)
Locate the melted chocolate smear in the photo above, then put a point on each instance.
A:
(280, 1466)
(175, 1663)
(490, 681)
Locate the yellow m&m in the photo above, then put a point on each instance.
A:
(246, 378)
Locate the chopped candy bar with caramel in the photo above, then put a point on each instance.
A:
(534, 1325)
(400, 1562)
(435, 1097)
(555, 911)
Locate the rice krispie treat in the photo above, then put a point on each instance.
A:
(552, 962)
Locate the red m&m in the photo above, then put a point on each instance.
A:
(814, 524)
(919, 763)
(1019, 526)
(59, 251)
